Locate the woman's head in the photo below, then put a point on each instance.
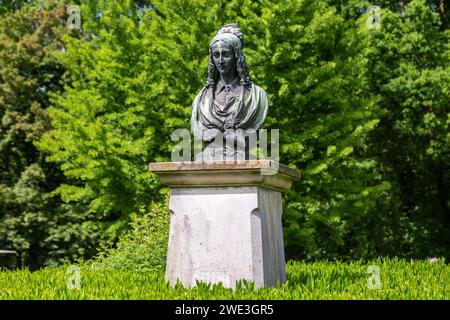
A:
(225, 55)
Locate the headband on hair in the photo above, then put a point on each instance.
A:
(230, 34)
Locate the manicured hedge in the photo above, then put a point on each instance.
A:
(400, 279)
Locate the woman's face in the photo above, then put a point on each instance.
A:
(223, 57)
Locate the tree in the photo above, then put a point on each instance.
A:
(137, 69)
(42, 228)
(410, 72)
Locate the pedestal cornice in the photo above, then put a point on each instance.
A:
(264, 173)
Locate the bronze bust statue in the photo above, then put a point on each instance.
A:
(229, 105)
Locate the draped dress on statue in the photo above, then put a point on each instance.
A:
(242, 109)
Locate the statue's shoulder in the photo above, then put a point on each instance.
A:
(259, 91)
(202, 90)
(258, 88)
(200, 94)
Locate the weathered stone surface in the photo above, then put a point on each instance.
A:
(223, 234)
(226, 221)
(266, 173)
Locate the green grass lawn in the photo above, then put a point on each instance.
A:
(400, 279)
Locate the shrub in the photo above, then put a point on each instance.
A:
(144, 247)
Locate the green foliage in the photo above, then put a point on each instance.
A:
(410, 68)
(10, 5)
(106, 126)
(40, 227)
(400, 279)
(362, 113)
(133, 84)
(316, 74)
(143, 247)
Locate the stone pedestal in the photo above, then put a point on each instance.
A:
(226, 221)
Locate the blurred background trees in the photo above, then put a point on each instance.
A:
(42, 228)
(363, 114)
